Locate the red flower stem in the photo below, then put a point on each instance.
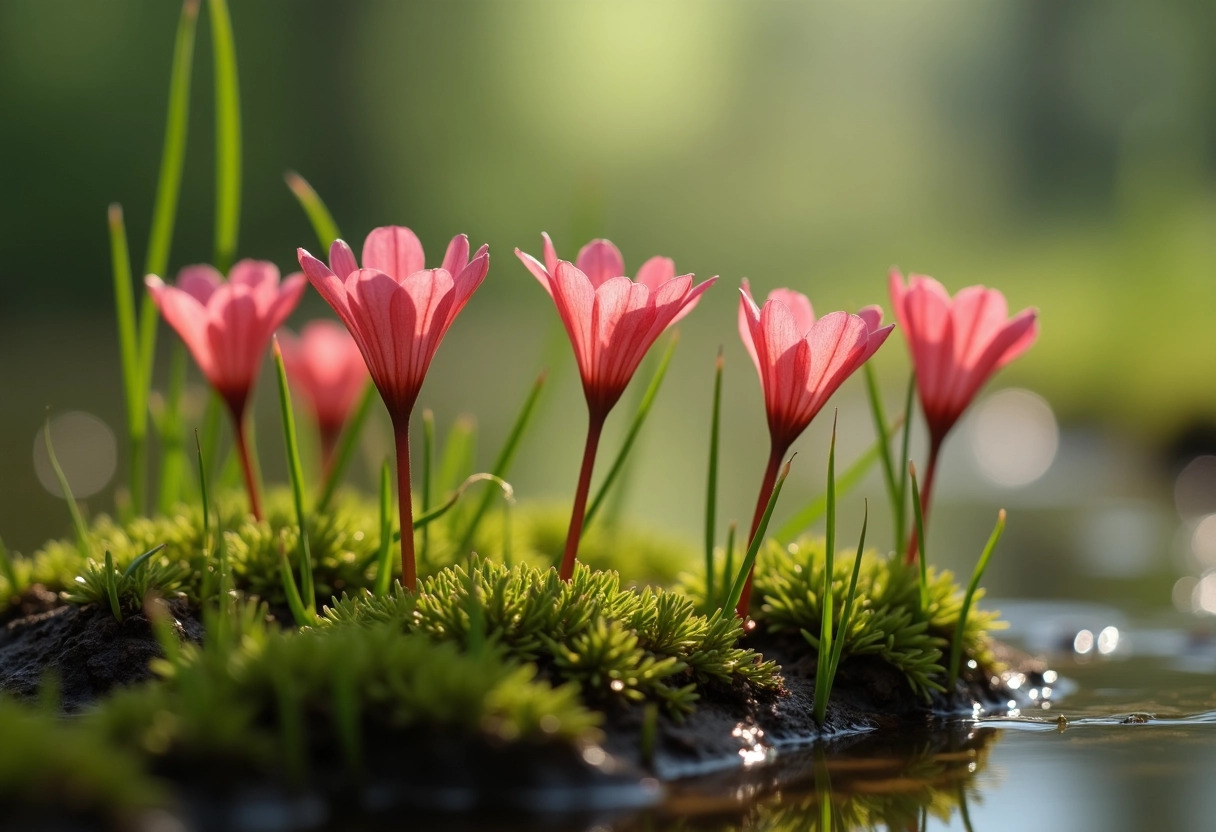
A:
(766, 491)
(595, 426)
(251, 483)
(926, 493)
(409, 571)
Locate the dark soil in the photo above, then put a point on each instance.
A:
(87, 651)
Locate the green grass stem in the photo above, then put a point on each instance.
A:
(428, 481)
(322, 221)
(506, 456)
(918, 517)
(345, 452)
(78, 525)
(505, 488)
(824, 682)
(901, 511)
(956, 644)
(711, 479)
(227, 137)
(823, 679)
(817, 508)
(296, 472)
(736, 589)
(171, 428)
(878, 413)
(639, 419)
(112, 586)
(134, 383)
(141, 560)
(384, 555)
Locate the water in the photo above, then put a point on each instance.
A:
(1126, 741)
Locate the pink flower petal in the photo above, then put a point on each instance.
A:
(394, 250)
(601, 261)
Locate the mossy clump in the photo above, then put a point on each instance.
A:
(69, 770)
(617, 643)
(889, 620)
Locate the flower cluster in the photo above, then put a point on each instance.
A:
(396, 312)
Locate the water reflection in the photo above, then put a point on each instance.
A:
(864, 782)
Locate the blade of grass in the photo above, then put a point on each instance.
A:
(173, 152)
(322, 221)
(133, 381)
(842, 630)
(112, 587)
(78, 524)
(384, 555)
(168, 185)
(816, 508)
(227, 137)
(296, 472)
(874, 397)
(728, 568)
(639, 418)
(173, 452)
(206, 501)
(827, 602)
(294, 602)
(347, 717)
(505, 488)
(956, 645)
(506, 456)
(918, 517)
(458, 453)
(901, 512)
(134, 565)
(428, 463)
(736, 589)
(711, 480)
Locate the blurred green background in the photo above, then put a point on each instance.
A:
(1062, 152)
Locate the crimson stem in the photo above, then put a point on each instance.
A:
(766, 490)
(926, 490)
(595, 426)
(242, 444)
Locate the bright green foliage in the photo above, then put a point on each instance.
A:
(47, 763)
(887, 620)
(163, 576)
(224, 703)
(617, 643)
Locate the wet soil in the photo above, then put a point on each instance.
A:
(87, 651)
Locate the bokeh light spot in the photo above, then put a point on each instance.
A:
(86, 449)
(1014, 437)
(1195, 488)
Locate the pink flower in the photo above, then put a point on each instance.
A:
(801, 362)
(398, 311)
(611, 320)
(326, 364)
(227, 327)
(956, 346)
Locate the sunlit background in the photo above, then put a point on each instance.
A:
(1064, 153)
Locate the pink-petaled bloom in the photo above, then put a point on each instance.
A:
(398, 311)
(227, 325)
(612, 321)
(325, 363)
(801, 362)
(956, 345)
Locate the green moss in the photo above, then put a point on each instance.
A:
(617, 643)
(49, 764)
(888, 620)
